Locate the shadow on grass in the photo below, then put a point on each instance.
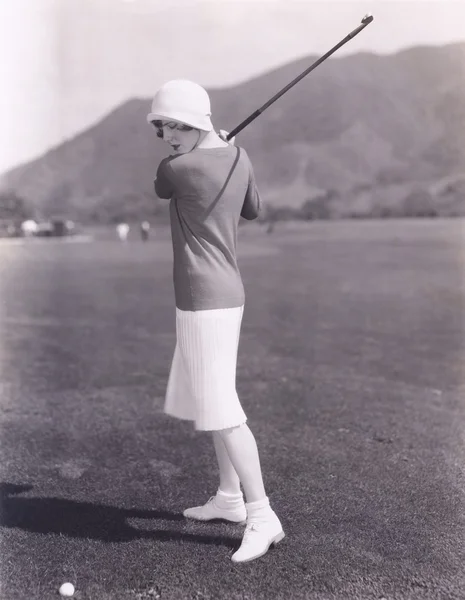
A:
(88, 521)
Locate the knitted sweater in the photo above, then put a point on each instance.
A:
(207, 202)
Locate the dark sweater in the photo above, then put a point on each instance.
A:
(204, 223)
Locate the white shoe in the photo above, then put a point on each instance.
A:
(259, 535)
(211, 510)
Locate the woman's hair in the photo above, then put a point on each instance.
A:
(159, 127)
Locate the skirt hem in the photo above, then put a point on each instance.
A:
(206, 427)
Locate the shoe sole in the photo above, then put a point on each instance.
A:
(273, 542)
(222, 519)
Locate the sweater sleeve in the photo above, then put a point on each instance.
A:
(252, 201)
(163, 183)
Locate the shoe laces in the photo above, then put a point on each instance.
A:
(251, 528)
(249, 538)
(257, 524)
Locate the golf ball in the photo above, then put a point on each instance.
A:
(67, 589)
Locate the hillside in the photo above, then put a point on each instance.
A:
(367, 129)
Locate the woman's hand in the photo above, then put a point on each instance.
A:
(224, 135)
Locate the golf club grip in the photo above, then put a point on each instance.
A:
(259, 111)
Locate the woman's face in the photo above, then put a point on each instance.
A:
(181, 138)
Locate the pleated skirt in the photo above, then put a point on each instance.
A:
(202, 381)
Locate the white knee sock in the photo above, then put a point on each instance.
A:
(229, 480)
(242, 450)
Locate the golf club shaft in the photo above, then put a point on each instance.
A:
(259, 111)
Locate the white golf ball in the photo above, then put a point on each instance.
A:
(67, 589)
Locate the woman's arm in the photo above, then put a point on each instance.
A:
(252, 201)
(163, 184)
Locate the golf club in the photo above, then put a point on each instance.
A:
(367, 19)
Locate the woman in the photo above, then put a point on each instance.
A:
(211, 185)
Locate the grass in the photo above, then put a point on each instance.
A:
(350, 370)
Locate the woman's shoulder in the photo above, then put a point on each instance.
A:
(205, 157)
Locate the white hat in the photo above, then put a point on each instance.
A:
(182, 101)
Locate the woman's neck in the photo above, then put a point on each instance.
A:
(212, 140)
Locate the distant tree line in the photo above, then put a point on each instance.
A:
(14, 207)
(419, 203)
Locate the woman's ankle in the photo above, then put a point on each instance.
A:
(259, 504)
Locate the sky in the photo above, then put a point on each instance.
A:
(65, 64)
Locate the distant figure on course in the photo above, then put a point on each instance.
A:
(211, 184)
(144, 230)
(123, 231)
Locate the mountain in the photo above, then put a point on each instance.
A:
(368, 130)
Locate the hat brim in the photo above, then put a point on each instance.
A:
(204, 125)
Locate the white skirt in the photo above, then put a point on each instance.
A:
(202, 381)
